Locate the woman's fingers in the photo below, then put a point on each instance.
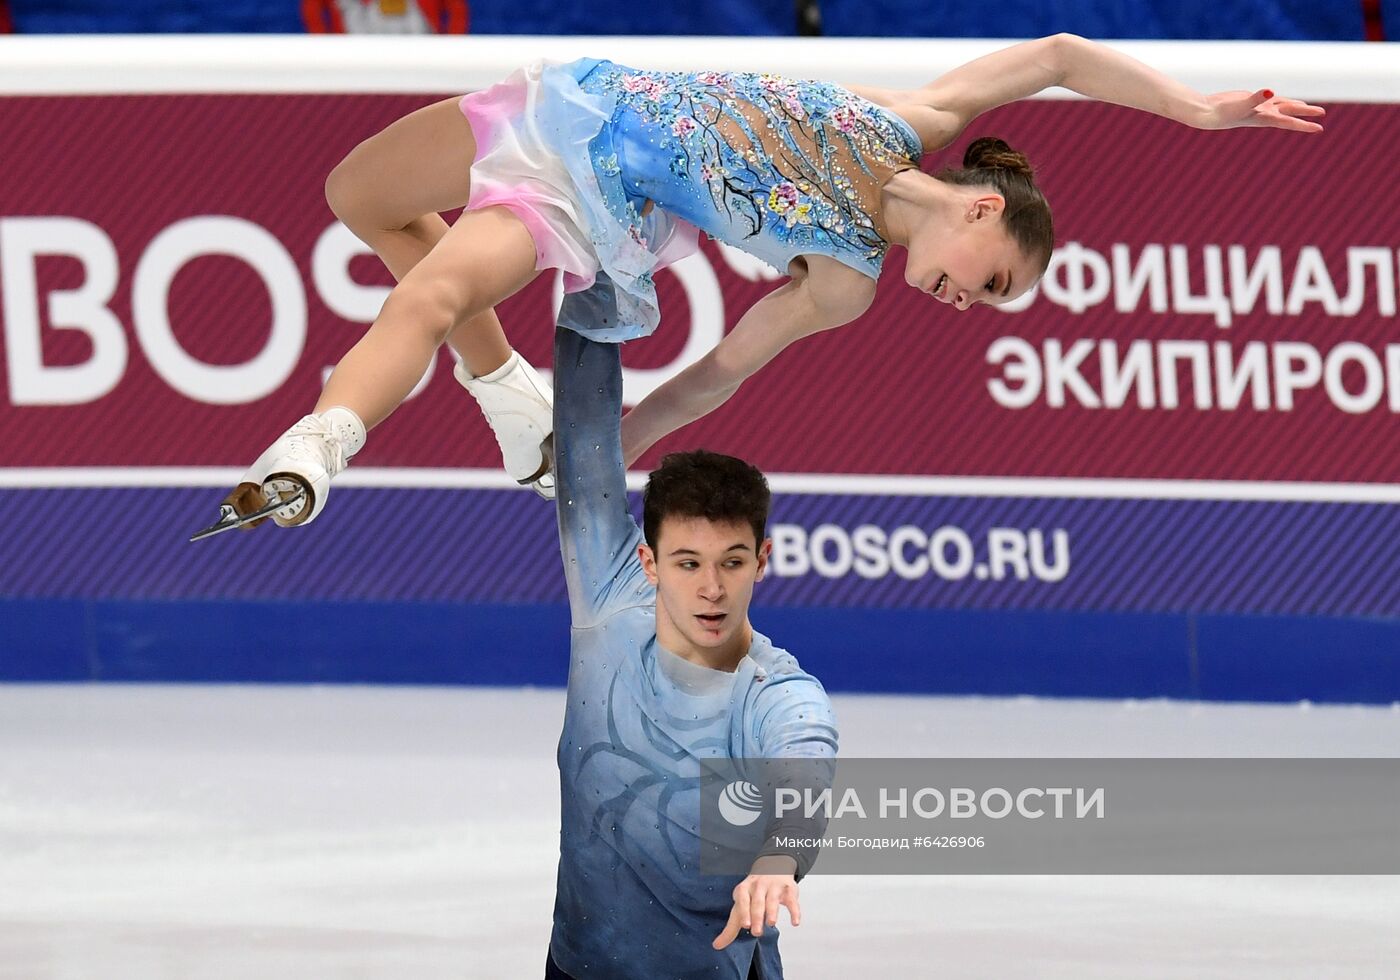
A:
(1282, 119)
(1263, 108)
(1284, 113)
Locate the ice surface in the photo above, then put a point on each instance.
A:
(300, 833)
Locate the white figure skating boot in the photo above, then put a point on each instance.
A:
(298, 467)
(519, 407)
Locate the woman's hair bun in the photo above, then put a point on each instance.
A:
(990, 153)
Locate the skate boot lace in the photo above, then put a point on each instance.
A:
(315, 439)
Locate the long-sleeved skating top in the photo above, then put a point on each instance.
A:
(631, 901)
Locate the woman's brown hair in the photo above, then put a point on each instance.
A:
(991, 162)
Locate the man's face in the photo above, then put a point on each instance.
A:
(704, 572)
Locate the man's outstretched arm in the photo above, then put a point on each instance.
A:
(597, 536)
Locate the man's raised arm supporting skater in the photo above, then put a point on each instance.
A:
(665, 671)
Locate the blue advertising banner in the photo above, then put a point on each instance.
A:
(1266, 600)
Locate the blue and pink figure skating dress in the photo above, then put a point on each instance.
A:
(614, 170)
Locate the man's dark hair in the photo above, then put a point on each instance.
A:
(708, 485)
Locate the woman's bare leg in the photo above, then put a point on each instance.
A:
(389, 191)
(481, 260)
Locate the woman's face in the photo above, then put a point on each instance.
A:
(972, 261)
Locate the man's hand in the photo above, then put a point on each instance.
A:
(771, 883)
(1227, 110)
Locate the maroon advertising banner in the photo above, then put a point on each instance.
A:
(1222, 305)
(1219, 319)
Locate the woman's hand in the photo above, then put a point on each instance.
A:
(1228, 110)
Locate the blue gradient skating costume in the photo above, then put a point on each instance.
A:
(613, 169)
(632, 903)
(771, 165)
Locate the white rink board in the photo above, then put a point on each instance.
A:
(1332, 71)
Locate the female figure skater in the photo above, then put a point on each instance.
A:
(606, 172)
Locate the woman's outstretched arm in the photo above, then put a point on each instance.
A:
(828, 295)
(1099, 72)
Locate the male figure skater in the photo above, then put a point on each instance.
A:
(665, 670)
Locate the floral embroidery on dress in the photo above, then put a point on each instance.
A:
(785, 201)
(796, 162)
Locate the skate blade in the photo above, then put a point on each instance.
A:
(542, 480)
(230, 519)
